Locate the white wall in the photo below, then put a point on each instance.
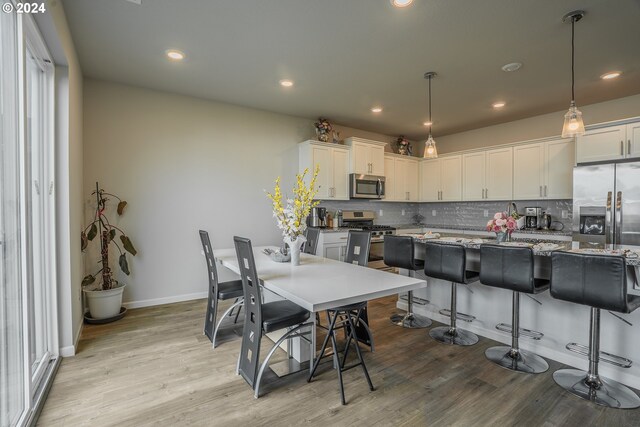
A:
(184, 164)
(543, 126)
(69, 186)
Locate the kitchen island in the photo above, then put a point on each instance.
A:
(560, 322)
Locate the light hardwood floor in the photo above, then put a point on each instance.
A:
(155, 367)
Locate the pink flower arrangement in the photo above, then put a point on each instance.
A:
(502, 223)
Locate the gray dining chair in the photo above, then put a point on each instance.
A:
(218, 292)
(262, 318)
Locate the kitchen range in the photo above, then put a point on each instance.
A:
(332, 242)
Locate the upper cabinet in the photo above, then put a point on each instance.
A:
(401, 173)
(543, 170)
(609, 143)
(441, 179)
(367, 157)
(333, 162)
(487, 175)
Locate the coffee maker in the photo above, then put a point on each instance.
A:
(533, 218)
(318, 217)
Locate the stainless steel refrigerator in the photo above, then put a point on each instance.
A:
(606, 203)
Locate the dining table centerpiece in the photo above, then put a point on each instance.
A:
(503, 225)
(291, 213)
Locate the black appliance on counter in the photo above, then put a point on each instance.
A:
(533, 218)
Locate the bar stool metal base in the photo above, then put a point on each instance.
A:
(604, 392)
(444, 335)
(519, 361)
(410, 321)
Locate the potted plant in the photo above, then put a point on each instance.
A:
(105, 298)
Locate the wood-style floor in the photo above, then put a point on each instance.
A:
(155, 367)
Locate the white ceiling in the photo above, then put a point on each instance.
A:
(347, 56)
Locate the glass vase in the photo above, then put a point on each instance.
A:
(295, 247)
(502, 236)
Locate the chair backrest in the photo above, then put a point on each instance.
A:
(445, 261)
(252, 330)
(358, 245)
(212, 272)
(311, 245)
(399, 252)
(598, 281)
(507, 267)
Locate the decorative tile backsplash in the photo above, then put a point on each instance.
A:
(472, 213)
(391, 212)
(468, 214)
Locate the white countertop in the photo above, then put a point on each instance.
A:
(321, 283)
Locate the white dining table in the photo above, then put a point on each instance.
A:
(321, 283)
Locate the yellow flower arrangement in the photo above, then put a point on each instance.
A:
(292, 217)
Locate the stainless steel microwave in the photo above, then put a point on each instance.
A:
(366, 186)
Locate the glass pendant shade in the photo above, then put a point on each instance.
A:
(430, 150)
(573, 124)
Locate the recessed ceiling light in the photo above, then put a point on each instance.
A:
(376, 110)
(175, 55)
(610, 75)
(513, 66)
(428, 123)
(286, 83)
(499, 104)
(401, 3)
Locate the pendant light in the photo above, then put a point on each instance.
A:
(573, 124)
(430, 150)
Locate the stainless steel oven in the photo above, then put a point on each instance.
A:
(366, 186)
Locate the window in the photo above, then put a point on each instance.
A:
(28, 321)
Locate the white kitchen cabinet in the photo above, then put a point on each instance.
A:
(633, 140)
(412, 180)
(473, 175)
(451, 178)
(441, 179)
(332, 245)
(543, 170)
(367, 156)
(559, 159)
(333, 162)
(401, 174)
(390, 179)
(499, 174)
(607, 143)
(430, 180)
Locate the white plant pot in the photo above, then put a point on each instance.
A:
(105, 304)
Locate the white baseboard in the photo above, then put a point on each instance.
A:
(70, 350)
(557, 354)
(67, 351)
(165, 300)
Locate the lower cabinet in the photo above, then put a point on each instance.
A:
(333, 245)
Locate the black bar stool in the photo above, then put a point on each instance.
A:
(447, 262)
(600, 282)
(399, 252)
(218, 291)
(512, 268)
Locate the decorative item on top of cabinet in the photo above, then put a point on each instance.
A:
(333, 183)
(323, 129)
(367, 156)
(404, 146)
